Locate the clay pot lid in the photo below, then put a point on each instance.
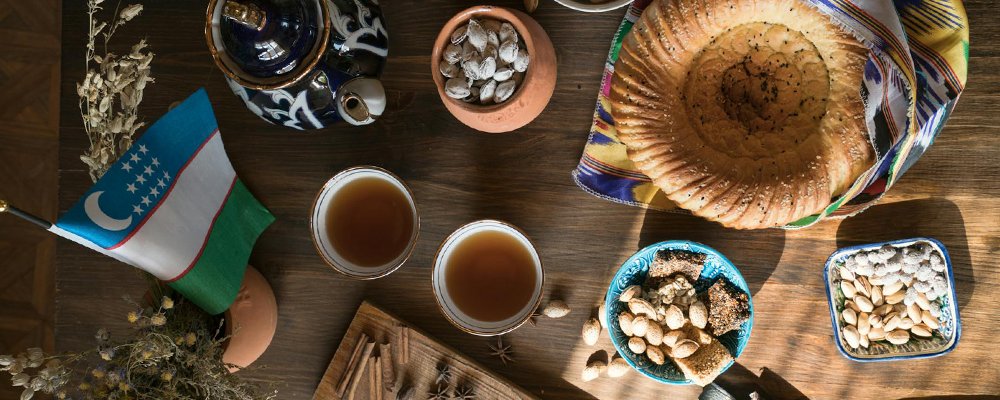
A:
(267, 44)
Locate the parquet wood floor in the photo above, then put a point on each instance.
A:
(29, 121)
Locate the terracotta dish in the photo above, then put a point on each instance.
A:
(751, 117)
(532, 94)
(250, 322)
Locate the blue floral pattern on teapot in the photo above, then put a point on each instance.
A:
(304, 64)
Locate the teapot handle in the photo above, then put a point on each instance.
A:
(244, 13)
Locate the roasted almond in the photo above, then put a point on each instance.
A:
(625, 322)
(848, 288)
(639, 325)
(685, 348)
(637, 345)
(850, 317)
(629, 293)
(864, 304)
(921, 330)
(851, 336)
(898, 336)
(655, 355)
(640, 306)
(930, 320)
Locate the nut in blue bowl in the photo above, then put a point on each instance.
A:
(893, 300)
(716, 270)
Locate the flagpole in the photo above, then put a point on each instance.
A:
(7, 208)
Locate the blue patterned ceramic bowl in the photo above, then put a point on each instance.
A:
(634, 271)
(943, 341)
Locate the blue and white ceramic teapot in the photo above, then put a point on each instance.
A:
(304, 64)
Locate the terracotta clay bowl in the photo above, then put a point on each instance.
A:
(531, 96)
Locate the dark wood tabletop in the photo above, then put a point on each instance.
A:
(458, 175)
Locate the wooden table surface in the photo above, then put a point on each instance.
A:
(458, 175)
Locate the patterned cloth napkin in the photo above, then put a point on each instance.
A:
(917, 64)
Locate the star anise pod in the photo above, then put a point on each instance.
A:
(441, 393)
(464, 393)
(444, 374)
(502, 351)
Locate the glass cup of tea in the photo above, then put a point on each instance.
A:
(487, 278)
(364, 222)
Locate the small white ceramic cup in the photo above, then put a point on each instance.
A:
(318, 223)
(447, 306)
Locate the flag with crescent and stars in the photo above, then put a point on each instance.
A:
(173, 206)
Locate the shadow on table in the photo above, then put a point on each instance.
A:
(933, 217)
(739, 382)
(756, 253)
(956, 397)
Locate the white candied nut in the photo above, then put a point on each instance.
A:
(508, 51)
(457, 88)
(453, 53)
(924, 271)
(861, 259)
(471, 68)
(468, 51)
(487, 68)
(492, 39)
(503, 74)
(504, 91)
(449, 70)
(459, 35)
(487, 91)
(477, 35)
(507, 32)
(521, 62)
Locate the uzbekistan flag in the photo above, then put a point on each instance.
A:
(173, 206)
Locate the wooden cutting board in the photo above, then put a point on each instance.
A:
(420, 369)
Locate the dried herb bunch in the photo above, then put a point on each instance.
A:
(172, 352)
(112, 90)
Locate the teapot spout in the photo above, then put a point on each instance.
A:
(361, 100)
(245, 13)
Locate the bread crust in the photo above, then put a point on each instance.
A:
(745, 112)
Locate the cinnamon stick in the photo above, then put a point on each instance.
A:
(406, 344)
(360, 369)
(377, 374)
(372, 379)
(345, 378)
(388, 370)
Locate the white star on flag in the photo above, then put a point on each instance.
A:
(140, 179)
(142, 148)
(160, 183)
(131, 188)
(127, 167)
(145, 200)
(135, 157)
(148, 170)
(136, 209)
(154, 192)
(156, 163)
(166, 175)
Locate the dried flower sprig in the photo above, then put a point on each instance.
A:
(174, 352)
(110, 93)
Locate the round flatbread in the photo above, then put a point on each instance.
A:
(745, 112)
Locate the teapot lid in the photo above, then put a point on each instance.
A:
(267, 44)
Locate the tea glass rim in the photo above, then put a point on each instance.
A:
(532, 304)
(387, 268)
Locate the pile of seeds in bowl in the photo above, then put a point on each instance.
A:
(892, 294)
(484, 63)
(667, 320)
